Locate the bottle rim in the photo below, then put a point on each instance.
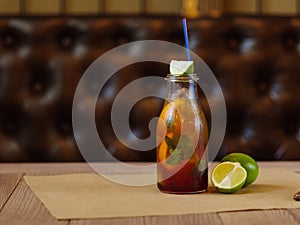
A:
(182, 77)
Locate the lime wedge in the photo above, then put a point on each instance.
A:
(181, 67)
(229, 177)
(247, 162)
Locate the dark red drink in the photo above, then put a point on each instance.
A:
(181, 153)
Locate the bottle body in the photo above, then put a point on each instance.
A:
(182, 135)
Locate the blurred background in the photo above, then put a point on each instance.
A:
(252, 46)
(191, 8)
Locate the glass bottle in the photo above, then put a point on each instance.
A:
(182, 135)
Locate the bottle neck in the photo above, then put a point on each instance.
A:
(182, 87)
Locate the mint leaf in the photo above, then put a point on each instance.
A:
(186, 146)
(170, 142)
(179, 151)
(175, 157)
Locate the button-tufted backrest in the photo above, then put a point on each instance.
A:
(255, 59)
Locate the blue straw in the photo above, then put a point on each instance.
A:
(186, 39)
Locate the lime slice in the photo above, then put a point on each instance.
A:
(229, 177)
(181, 67)
(247, 162)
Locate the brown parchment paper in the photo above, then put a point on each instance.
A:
(79, 196)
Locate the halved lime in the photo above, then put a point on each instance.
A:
(228, 177)
(181, 67)
(247, 162)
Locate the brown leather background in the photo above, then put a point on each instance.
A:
(255, 59)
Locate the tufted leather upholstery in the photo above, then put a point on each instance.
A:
(255, 59)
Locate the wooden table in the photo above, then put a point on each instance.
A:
(18, 204)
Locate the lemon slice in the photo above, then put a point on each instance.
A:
(229, 177)
(181, 67)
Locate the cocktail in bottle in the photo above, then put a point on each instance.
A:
(182, 135)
